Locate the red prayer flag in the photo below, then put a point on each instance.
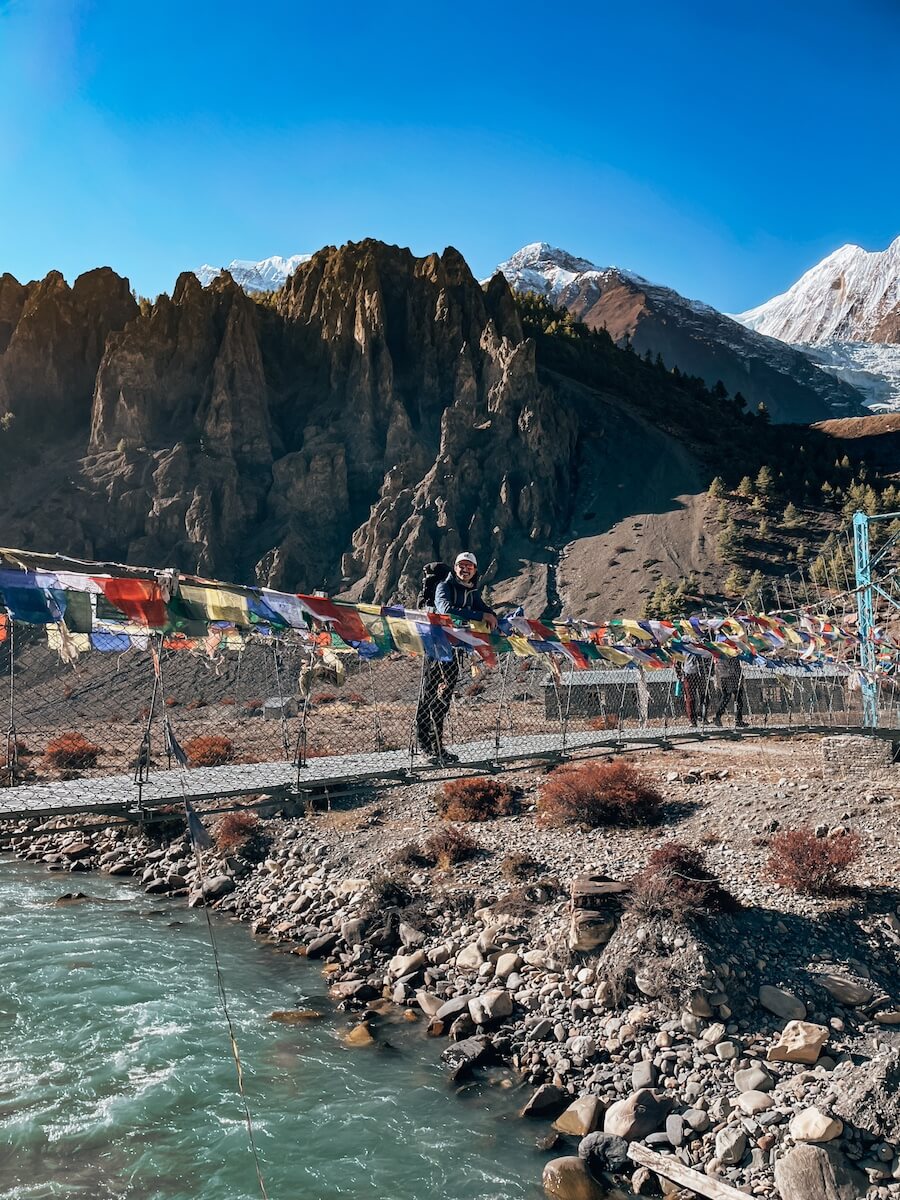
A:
(139, 599)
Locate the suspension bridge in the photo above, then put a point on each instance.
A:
(133, 692)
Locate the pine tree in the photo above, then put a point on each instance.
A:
(722, 513)
(762, 528)
(791, 515)
(735, 582)
(765, 481)
(755, 585)
(717, 488)
(729, 542)
(745, 487)
(762, 413)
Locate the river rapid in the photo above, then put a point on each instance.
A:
(116, 1076)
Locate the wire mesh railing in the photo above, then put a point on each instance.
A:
(273, 711)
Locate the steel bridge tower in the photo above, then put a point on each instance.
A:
(867, 585)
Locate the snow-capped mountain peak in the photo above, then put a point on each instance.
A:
(849, 296)
(264, 276)
(550, 271)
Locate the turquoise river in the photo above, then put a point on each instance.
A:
(116, 1078)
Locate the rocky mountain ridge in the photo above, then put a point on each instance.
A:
(378, 411)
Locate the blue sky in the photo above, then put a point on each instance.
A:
(720, 149)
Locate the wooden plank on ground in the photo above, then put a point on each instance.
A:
(673, 1168)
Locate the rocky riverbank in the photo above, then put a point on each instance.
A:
(757, 1046)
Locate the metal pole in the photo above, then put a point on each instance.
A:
(865, 610)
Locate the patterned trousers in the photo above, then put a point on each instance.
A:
(438, 684)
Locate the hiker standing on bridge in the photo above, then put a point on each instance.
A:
(457, 594)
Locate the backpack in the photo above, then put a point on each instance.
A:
(433, 573)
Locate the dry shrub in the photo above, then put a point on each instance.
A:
(241, 833)
(676, 884)
(325, 698)
(319, 750)
(390, 890)
(815, 865)
(410, 855)
(478, 688)
(172, 702)
(605, 721)
(195, 703)
(72, 750)
(209, 750)
(228, 700)
(252, 706)
(449, 846)
(479, 799)
(355, 698)
(518, 866)
(598, 793)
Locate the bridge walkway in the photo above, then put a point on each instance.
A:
(120, 796)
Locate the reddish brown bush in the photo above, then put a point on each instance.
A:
(242, 833)
(228, 700)
(815, 865)
(598, 793)
(676, 883)
(449, 846)
(604, 721)
(325, 698)
(480, 799)
(355, 698)
(477, 688)
(195, 703)
(252, 706)
(233, 829)
(209, 750)
(72, 750)
(171, 702)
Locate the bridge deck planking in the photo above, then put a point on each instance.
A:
(119, 795)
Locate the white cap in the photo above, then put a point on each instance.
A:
(466, 556)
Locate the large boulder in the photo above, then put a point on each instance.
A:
(812, 1125)
(867, 1096)
(582, 1117)
(818, 1173)
(637, 1115)
(491, 1006)
(569, 1179)
(798, 1042)
(782, 1004)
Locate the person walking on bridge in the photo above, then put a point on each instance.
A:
(457, 595)
(730, 682)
